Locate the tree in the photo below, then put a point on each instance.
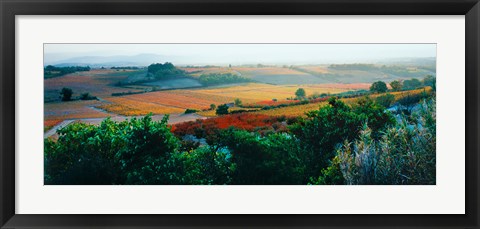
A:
(300, 93)
(412, 84)
(431, 81)
(378, 87)
(238, 102)
(222, 109)
(66, 94)
(163, 71)
(213, 106)
(396, 85)
(221, 78)
(330, 125)
(130, 152)
(272, 159)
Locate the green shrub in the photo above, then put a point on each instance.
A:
(190, 111)
(87, 96)
(129, 152)
(385, 100)
(66, 94)
(323, 129)
(406, 153)
(378, 87)
(222, 109)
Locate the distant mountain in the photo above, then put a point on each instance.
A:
(110, 61)
(424, 61)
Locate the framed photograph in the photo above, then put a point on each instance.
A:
(258, 114)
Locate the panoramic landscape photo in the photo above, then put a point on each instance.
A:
(239, 114)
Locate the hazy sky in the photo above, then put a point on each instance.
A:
(246, 53)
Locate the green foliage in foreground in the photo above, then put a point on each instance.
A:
(406, 153)
(336, 144)
(385, 100)
(332, 124)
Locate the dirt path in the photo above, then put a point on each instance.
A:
(173, 119)
(55, 128)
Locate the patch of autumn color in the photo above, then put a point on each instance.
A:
(73, 110)
(172, 100)
(315, 68)
(256, 92)
(49, 124)
(244, 121)
(132, 107)
(295, 111)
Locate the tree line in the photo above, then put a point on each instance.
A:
(52, 71)
(222, 78)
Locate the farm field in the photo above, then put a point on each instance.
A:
(299, 110)
(97, 82)
(103, 82)
(73, 110)
(278, 75)
(177, 101)
(197, 71)
(255, 92)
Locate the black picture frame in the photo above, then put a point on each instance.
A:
(11, 8)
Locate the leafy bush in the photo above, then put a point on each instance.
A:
(385, 100)
(300, 93)
(323, 129)
(405, 154)
(164, 71)
(222, 109)
(66, 94)
(273, 159)
(379, 87)
(87, 96)
(396, 85)
(430, 81)
(129, 152)
(190, 111)
(412, 84)
(238, 102)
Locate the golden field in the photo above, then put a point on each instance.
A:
(177, 101)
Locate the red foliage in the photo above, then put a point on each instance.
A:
(248, 122)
